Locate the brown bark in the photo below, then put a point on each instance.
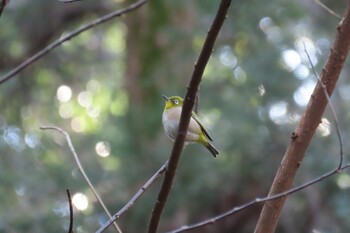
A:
(305, 130)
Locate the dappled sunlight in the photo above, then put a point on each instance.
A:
(324, 128)
(93, 111)
(272, 32)
(261, 90)
(302, 95)
(227, 58)
(239, 76)
(291, 59)
(78, 124)
(20, 189)
(65, 110)
(301, 72)
(302, 43)
(13, 137)
(85, 99)
(80, 201)
(31, 140)
(278, 112)
(93, 86)
(64, 93)
(103, 149)
(343, 181)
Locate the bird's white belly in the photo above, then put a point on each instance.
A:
(171, 126)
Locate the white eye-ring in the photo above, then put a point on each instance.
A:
(175, 101)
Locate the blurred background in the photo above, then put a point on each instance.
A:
(104, 87)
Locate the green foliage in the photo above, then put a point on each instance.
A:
(251, 99)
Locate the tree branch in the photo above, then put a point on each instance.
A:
(70, 230)
(237, 209)
(69, 1)
(336, 122)
(134, 198)
(326, 8)
(305, 130)
(81, 169)
(186, 114)
(69, 36)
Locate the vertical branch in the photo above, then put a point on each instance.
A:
(70, 230)
(305, 130)
(186, 114)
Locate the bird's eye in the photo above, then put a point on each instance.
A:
(175, 101)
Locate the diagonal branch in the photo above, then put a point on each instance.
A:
(186, 114)
(69, 36)
(305, 130)
(81, 169)
(336, 122)
(338, 169)
(326, 8)
(134, 198)
(69, 1)
(258, 200)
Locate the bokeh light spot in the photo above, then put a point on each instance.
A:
(278, 112)
(65, 110)
(64, 93)
(85, 98)
(103, 149)
(78, 124)
(291, 59)
(80, 201)
(302, 95)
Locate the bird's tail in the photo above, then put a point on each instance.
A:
(212, 149)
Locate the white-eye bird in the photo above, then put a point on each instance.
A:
(195, 132)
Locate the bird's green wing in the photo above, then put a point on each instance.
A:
(195, 117)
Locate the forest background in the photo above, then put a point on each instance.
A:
(104, 87)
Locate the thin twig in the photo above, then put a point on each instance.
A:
(81, 169)
(186, 114)
(341, 153)
(237, 209)
(69, 36)
(69, 1)
(327, 9)
(70, 230)
(134, 198)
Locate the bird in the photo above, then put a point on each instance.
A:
(196, 131)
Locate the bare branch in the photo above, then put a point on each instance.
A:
(336, 122)
(326, 8)
(134, 198)
(81, 169)
(306, 128)
(69, 1)
(186, 114)
(70, 230)
(69, 36)
(237, 209)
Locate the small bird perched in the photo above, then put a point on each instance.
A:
(195, 132)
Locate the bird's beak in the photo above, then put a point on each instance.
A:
(166, 97)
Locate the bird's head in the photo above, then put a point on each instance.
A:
(173, 101)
